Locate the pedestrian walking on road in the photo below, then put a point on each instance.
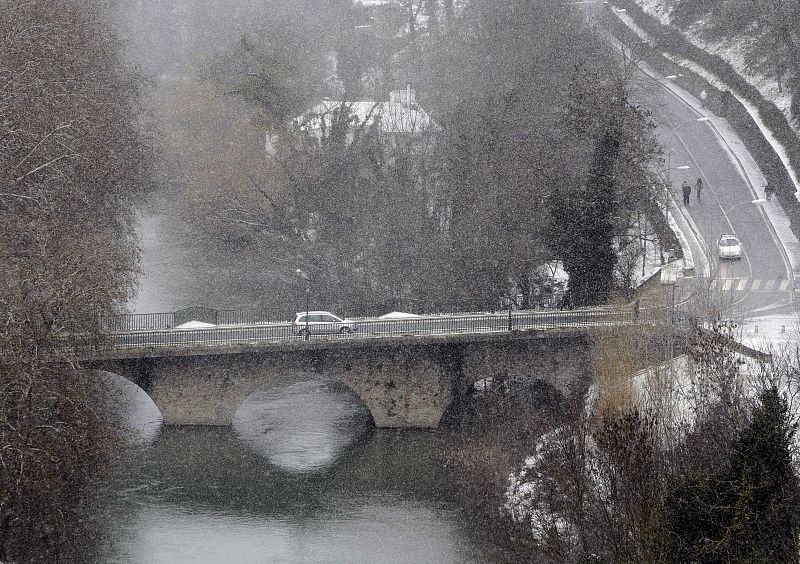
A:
(698, 187)
(687, 192)
(768, 191)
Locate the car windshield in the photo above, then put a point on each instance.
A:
(728, 242)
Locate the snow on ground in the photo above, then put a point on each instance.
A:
(688, 256)
(642, 258)
(676, 392)
(775, 334)
(731, 51)
(658, 9)
(734, 53)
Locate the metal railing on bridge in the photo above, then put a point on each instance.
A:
(376, 328)
(170, 320)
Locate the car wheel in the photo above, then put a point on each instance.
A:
(345, 331)
(305, 333)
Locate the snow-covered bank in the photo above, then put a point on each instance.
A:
(731, 52)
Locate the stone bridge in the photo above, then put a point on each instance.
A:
(404, 381)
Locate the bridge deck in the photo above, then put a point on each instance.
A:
(214, 340)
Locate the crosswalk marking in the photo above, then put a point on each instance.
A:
(746, 284)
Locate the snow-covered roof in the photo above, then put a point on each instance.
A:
(369, 3)
(392, 117)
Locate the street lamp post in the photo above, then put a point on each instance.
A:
(308, 291)
(669, 275)
(725, 212)
(756, 202)
(674, 133)
(304, 276)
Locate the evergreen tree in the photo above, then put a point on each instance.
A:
(746, 512)
(584, 221)
(614, 180)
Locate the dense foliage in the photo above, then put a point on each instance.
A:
(513, 172)
(70, 170)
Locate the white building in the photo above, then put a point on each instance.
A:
(398, 120)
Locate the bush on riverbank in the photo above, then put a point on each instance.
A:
(654, 472)
(503, 418)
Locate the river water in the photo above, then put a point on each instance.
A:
(301, 476)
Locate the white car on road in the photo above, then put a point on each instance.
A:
(320, 323)
(729, 247)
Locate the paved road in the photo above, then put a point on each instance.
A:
(760, 282)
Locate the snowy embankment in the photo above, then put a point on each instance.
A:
(732, 53)
(677, 393)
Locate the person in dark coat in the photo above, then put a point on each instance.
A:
(698, 187)
(768, 191)
(687, 192)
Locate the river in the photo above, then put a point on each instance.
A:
(301, 476)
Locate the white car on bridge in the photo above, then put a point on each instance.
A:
(307, 323)
(729, 247)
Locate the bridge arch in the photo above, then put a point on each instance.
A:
(127, 404)
(404, 382)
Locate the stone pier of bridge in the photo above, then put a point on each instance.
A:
(403, 381)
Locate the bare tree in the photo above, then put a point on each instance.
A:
(72, 167)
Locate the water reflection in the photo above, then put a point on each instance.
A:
(303, 426)
(130, 408)
(202, 495)
(302, 477)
